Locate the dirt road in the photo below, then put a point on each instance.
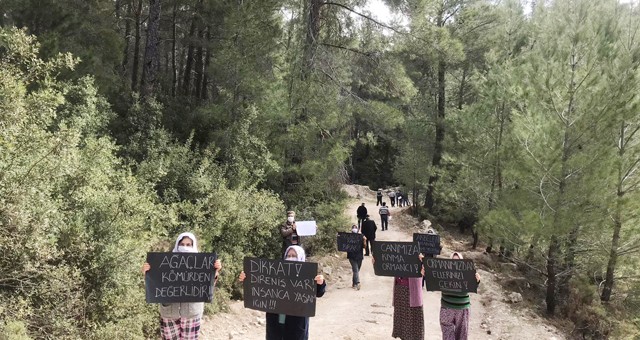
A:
(344, 313)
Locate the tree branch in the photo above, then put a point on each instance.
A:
(367, 54)
(364, 16)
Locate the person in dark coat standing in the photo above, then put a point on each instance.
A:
(379, 197)
(369, 231)
(361, 212)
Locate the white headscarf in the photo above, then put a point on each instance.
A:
(300, 255)
(189, 235)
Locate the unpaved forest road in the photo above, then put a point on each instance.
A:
(343, 313)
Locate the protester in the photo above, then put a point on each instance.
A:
(379, 197)
(289, 233)
(355, 258)
(429, 231)
(361, 213)
(181, 321)
(384, 216)
(408, 315)
(289, 327)
(400, 199)
(454, 312)
(392, 197)
(369, 231)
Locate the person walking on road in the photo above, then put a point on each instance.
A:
(355, 258)
(392, 198)
(384, 216)
(379, 197)
(369, 231)
(361, 213)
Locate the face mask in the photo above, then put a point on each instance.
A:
(291, 258)
(290, 219)
(354, 230)
(185, 249)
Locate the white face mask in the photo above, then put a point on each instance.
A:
(354, 230)
(290, 219)
(185, 249)
(291, 258)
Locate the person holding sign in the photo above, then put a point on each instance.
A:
(408, 315)
(454, 312)
(289, 327)
(181, 321)
(289, 233)
(355, 258)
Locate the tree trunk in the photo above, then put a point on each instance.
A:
(439, 143)
(462, 85)
(136, 47)
(152, 50)
(186, 82)
(617, 221)
(197, 83)
(127, 39)
(554, 248)
(440, 127)
(311, 38)
(207, 62)
(174, 36)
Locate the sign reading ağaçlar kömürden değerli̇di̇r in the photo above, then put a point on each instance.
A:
(280, 286)
(180, 277)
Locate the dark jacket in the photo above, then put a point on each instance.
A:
(288, 235)
(294, 327)
(369, 229)
(361, 212)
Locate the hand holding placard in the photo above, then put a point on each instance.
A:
(282, 287)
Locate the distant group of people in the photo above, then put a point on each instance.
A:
(399, 198)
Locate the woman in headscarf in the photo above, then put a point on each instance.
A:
(181, 321)
(408, 315)
(454, 312)
(289, 327)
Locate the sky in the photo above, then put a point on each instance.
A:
(382, 13)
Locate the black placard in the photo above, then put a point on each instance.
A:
(180, 277)
(429, 243)
(281, 287)
(350, 242)
(396, 259)
(449, 275)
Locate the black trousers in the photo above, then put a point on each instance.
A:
(378, 200)
(384, 219)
